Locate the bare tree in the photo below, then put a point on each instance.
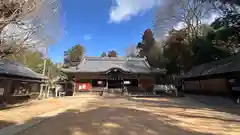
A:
(27, 24)
(178, 14)
(225, 6)
(131, 51)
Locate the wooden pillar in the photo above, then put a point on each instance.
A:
(74, 88)
(7, 89)
(48, 89)
(91, 82)
(107, 84)
(56, 91)
(15, 86)
(139, 80)
(66, 87)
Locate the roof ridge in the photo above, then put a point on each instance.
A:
(81, 62)
(113, 58)
(22, 70)
(134, 58)
(16, 63)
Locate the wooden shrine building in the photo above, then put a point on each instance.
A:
(112, 72)
(18, 82)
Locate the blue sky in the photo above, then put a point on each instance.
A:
(102, 25)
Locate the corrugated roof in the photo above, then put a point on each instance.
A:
(13, 68)
(226, 65)
(103, 64)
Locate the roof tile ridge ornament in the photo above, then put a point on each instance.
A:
(82, 61)
(119, 67)
(122, 69)
(105, 58)
(146, 62)
(134, 58)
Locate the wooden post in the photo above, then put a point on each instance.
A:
(107, 84)
(48, 90)
(65, 89)
(56, 91)
(49, 83)
(91, 85)
(43, 73)
(7, 89)
(74, 88)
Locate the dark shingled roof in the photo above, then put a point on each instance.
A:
(16, 69)
(103, 64)
(226, 65)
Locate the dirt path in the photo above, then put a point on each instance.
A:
(20, 115)
(111, 116)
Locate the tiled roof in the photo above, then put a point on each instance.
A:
(103, 64)
(225, 65)
(13, 68)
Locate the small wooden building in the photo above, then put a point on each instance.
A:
(214, 78)
(18, 82)
(112, 72)
(65, 84)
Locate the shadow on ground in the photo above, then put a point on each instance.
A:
(107, 121)
(11, 106)
(5, 124)
(120, 117)
(209, 117)
(188, 104)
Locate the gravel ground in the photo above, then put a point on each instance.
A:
(139, 116)
(20, 115)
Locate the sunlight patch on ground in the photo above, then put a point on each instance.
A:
(105, 132)
(52, 100)
(77, 131)
(152, 132)
(152, 99)
(203, 120)
(111, 125)
(96, 124)
(114, 116)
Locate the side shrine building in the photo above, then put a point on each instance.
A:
(111, 72)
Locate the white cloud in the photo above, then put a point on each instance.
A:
(211, 18)
(208, 20)
(125, 9)
(179, 25)
(87, 37)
